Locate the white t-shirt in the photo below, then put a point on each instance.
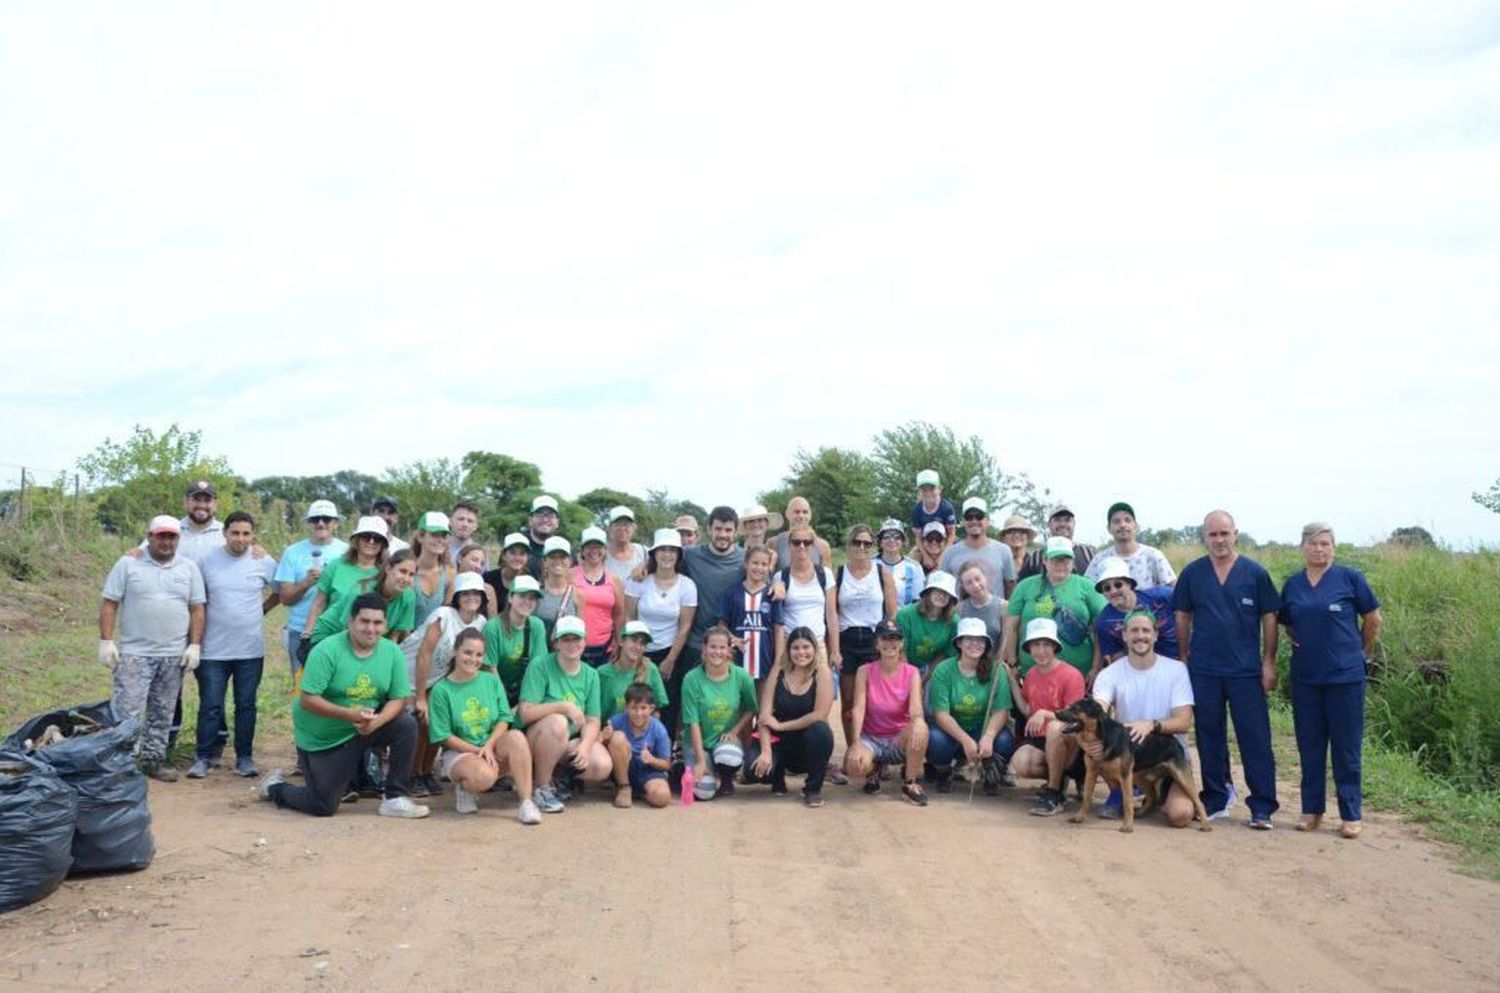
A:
(449, 624)
(804, 604)
(1145, 694)
(861, 601)
(1148, 567)
(660, 608)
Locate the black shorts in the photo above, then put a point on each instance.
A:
(1040, 744)
(857, 646)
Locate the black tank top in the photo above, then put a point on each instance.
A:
(788, 706)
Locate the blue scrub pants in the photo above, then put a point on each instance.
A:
(1325, 716)
(1246, 703)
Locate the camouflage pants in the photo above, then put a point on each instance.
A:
(146, 687)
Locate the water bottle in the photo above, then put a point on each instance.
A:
(687, 786)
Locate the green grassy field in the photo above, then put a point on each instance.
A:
(1432, 745)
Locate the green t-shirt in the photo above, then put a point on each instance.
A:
(926, 640)
(470, 710)
(400, 613)
(715, 705)
(336, 674)
(965, 697)
(508, 653)
(1074, 605)
(545, 682)
(341, 576)
(614, 681)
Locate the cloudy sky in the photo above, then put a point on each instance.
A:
(1170, 254)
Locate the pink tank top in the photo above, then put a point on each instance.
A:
(598, 603)
(888, 700)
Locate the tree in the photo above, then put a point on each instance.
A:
(661, 510)
(1491, 500)
(503, 488)
(965, 466)
(148, 474)
(423, 485)
(352, 492)
(838, 482)
(600, 500)
(1412, 537)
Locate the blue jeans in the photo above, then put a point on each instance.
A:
(943, 751)
(213, 679)
(1327, 716)
(1245, 700)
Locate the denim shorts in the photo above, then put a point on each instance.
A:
(887, 751)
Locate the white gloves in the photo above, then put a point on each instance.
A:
(190, 657)
(109, 653)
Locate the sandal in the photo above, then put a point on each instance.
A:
(1310, 822)
(1351, 829)
(622, 797)
(872, 785)
(914, 793)
(836, 775)
(812, 799)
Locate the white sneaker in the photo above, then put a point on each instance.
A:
(273, 778)
(527, 813)
(1232, 798)
(463, 801)
(401, 806)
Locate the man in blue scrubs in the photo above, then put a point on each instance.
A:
(1226, 624)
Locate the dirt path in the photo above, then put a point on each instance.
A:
(752, 893)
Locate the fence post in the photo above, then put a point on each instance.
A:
(21, 510)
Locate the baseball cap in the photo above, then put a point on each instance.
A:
(164, 524)
(621, 513)
(569, 627)
(525, 584)
(322, 508)
(384, 503)
(1059, 547)
(433, 522)
(544, 502)
(928, 477)
(593, 534)
(706, 787)
(937, 579)
(1116, 507)
(666, 538)
(468, 582)
(1114, 568)
(892, 526)
(729, 754)
(634, 629)
(373, 525)
(554, 544)
(1060, 508)
(515, 538)
(888, 629)
(1039, 628)
(203, 486)
(935, 527)
(975, 503)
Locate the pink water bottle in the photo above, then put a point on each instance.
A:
(687, 786)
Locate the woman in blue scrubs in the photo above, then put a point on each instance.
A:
(1332, 617)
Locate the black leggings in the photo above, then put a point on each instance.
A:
(806, 751)
(328, 773)
(686, 659)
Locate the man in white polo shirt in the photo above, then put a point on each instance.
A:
(156, 601)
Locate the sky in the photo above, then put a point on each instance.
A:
(1189, 256)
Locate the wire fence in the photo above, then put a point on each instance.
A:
(29, 491)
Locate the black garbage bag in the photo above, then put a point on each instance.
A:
(38, 813)
(97, 760)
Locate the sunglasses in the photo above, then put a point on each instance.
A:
(801, 542)
(933, 537)
(322, 520)
(861, 543)
(1116, 584)
(370, 537)
(974, 517)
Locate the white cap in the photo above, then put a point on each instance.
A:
(544, 502)
(892, 526)
(468, 582)
(633, 628)
(928, 477)
(972, 627)
(164, 523)
(569, 626)
(1042, 627)
(975, 503)
(524, 584)
(593, 534)
(621, 513)
(434, 522)
(937, 579)
(322, 508)
(666, 538)
(1060, 507)
(935, 527)
(556, 543)
(515, 538)
(1058, 547)
(730, 754)
(705, 788)
(373, 525)
(1114, 568)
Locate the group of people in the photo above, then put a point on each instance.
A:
(696, 662)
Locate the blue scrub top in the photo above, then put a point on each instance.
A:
(1110, 625)
(1226, 618)
(1326, 643)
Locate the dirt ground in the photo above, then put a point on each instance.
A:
(750, 893)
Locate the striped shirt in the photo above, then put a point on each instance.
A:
(753, 616)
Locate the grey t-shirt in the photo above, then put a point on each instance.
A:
(991, 613)
(153, 598)
(994, 558)
(236, 586)
(622, 570)
(713, 574)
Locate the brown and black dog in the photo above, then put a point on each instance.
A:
(1125, 764)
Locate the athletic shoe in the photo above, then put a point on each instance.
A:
(1048, 802)
(273, 778)
(943, 780)
(198, 769)
(245, 767)
(1112, 809)
(160, 771)
(562, 789)
(546, 800)
(401, 806)
(430, 786)
(464, 802)
(1261, 823)
(527, 813)
(1232, 798)
(836, 775)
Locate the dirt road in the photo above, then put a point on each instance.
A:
(752, 893)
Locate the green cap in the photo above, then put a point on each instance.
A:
(433, 522)
(1117, 506)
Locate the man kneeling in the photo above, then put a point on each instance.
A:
(354, 690)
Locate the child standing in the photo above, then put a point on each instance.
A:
(752, 614)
